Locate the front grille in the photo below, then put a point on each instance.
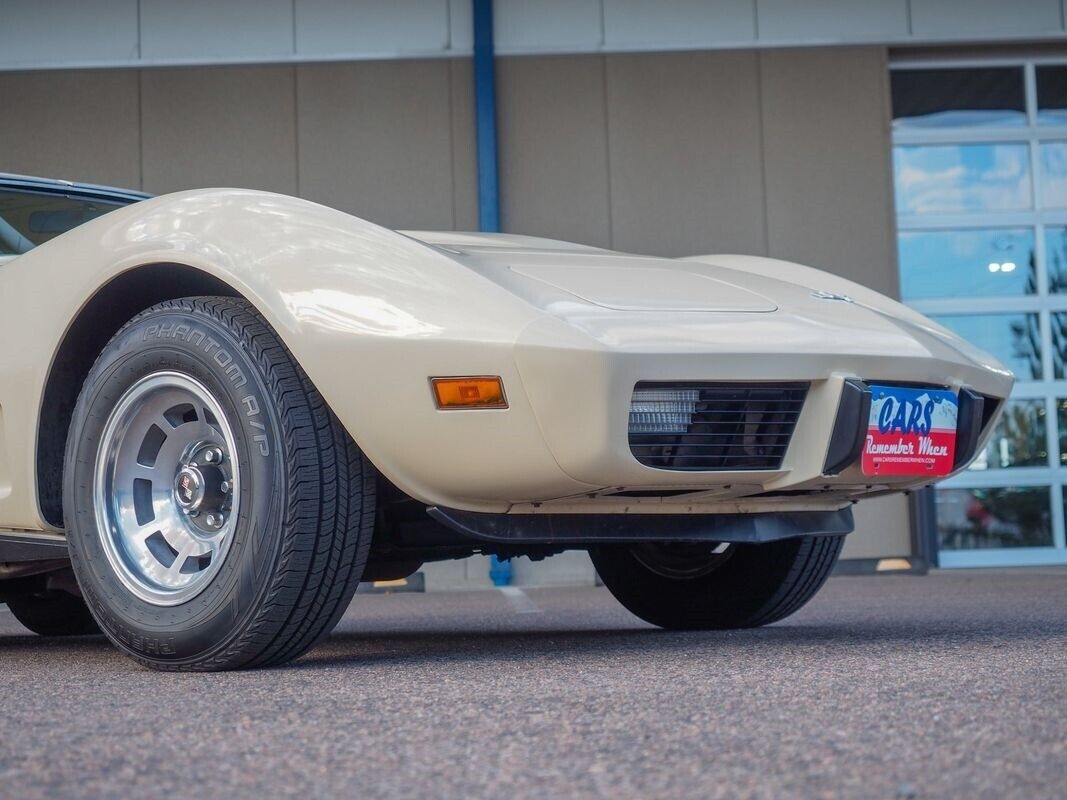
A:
(714, 426)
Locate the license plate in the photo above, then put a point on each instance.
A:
(910, 432)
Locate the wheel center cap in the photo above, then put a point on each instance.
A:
(189, 488)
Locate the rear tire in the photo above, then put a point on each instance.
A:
(218, 515)
(683, 588)
(53, 613)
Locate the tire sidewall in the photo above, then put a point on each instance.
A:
(732, 596)
(180, 337)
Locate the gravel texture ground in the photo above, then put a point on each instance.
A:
(949, 685)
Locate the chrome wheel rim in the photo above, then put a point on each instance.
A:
(166, 488)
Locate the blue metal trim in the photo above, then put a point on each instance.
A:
(26, 183)
(485, 117)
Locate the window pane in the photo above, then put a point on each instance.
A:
(1059, 345)
(969, 519)
(1015, 339)
(1019, 440)
(1052, 95)
(940, 98)
(1061, 417)
(960, 178)
(1056, 258)
(27, 219)
(985, 263)
(1054, 175)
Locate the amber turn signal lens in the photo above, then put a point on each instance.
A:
(454, 393)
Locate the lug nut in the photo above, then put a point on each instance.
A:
(214, 520)
(224, 487)
(213, 455)
(192, 512)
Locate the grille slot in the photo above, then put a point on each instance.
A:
(723, 427)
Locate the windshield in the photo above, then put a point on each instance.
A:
(28, 219)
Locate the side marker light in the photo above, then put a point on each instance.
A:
(475, 392)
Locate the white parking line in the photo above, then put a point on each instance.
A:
(519, 601)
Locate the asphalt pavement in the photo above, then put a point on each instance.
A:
(950, 685)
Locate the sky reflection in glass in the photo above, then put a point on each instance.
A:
(961, 263)
(1054, 175)
(1015, 339)
(960, 178)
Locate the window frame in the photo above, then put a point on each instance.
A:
(79, 192)
(1037, 219)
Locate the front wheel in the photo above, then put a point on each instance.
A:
(704, 587)
(218, 515)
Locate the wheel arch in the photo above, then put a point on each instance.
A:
(100, 318)
(348, 298)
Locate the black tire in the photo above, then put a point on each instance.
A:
(306, 500)
(747, 586)
(53, 613)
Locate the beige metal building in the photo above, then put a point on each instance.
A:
(671, 128)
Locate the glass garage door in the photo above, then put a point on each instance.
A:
(980, 171)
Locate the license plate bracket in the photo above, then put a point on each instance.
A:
(910, 431)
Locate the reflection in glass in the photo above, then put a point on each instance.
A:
(1015, 339)
(1056, 258)
(961, 177)
(27, 220)
(1052, 95)
(969, 519)
(984, 263)
(1019, 440)
(1054, 175)
(1059, 345)
(1061, 417)
(942, 98)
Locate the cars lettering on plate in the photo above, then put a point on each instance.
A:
(910, 432)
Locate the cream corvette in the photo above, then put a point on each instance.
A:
(222, 409)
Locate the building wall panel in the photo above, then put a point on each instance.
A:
(677, 24)
(521, 26)
(375, 139)
(951, 19)
(827, 161)
(684, 153)
(461, 26)
(830, 20)
(68, 32)
(464, 148)
(883, 529)
(225, 126)
(371, 28)
(199, 29)
(82, 126)
(553, 148)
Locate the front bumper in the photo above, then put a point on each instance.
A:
(572, 529)
(562, 446)
(585, 429)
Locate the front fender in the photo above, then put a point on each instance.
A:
(369, 313)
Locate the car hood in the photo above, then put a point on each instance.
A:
(661, 305)
(554, 275)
